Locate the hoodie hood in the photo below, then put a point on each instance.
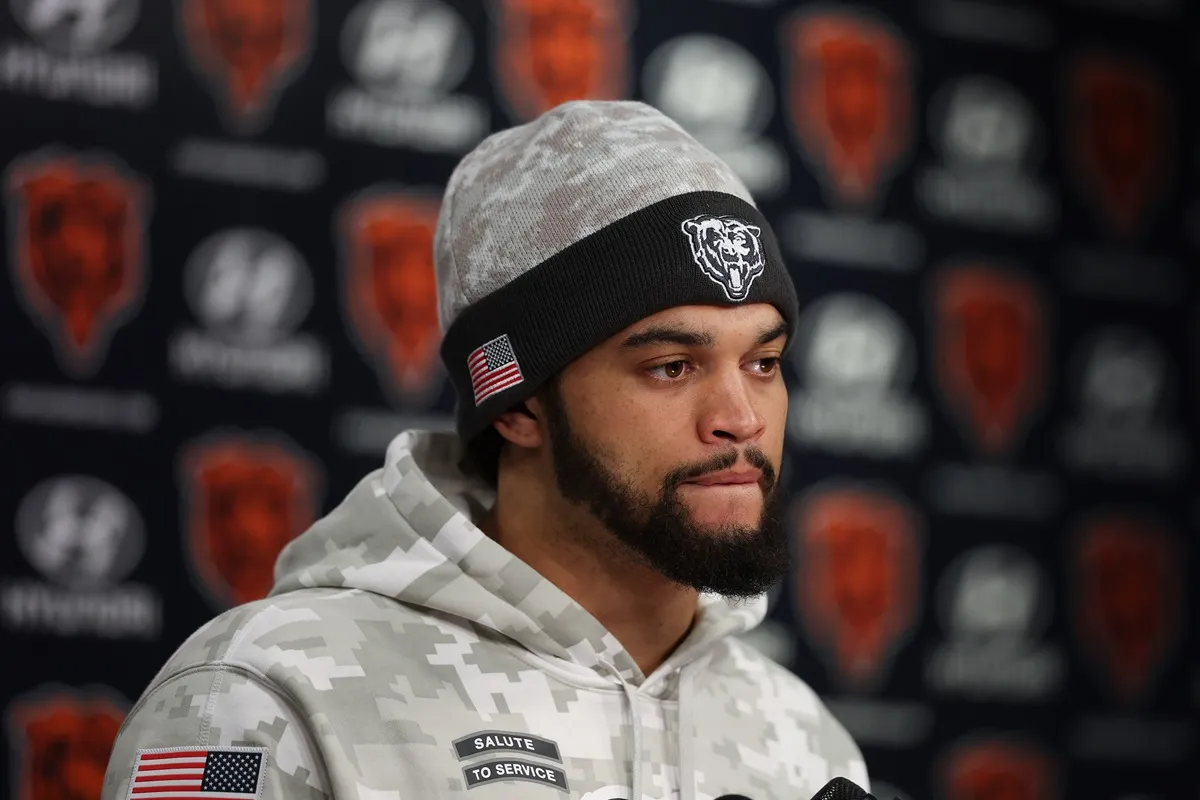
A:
(406, 531)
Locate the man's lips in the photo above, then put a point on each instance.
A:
(728, 477)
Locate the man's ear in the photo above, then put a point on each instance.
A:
(519, 425)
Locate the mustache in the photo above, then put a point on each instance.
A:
(722, 461)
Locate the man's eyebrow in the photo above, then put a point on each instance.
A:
(768, 336)
(661, 334)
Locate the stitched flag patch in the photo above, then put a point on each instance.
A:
(208, 773)
(493, 368)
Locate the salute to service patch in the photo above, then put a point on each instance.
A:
(488, 741)
(168, 773)
(510, 769)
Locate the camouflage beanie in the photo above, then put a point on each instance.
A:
(559, 233)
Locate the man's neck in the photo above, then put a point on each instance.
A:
(647, 613)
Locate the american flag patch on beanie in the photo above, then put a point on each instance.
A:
(493, 368)
(207, 773)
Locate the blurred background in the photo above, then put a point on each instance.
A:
(219, 307)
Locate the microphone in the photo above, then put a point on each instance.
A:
(836, 789)
(842, 789)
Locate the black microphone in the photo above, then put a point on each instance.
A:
(836, 789)
(842, 789)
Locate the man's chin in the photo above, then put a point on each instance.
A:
(722, 507)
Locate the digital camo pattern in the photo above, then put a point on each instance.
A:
(529, 192)
(397, 628)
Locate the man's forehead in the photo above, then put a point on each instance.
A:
(719, 321)
(717, 318)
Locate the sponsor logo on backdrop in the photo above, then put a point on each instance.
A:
(989, 347)
(856, 362)
(995, 768)
(94, 409)
(407, 57)
(389, 289)
(84, 537)
(61, 740)
(77, 226)
(1122, 149)
(1128, 601)
(723, 96)
(990, 143)
(850, 107)
(1126, 425)
(70, 57)
(246, 496)
(248, 52)
(285, 169)
(994, 603)
(250, 289)
(547, 52)
(859, 561)
(1007, 22)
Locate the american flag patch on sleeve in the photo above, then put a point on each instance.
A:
(493, 368)
(210, 773)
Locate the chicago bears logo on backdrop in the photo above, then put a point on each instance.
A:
(859, 577)
(550, 51)
(990, 352)
(247, 497)
(249, 50)
(728, 251)
(62, 741)
(997, 769)
(1120, 138)
(389, 288)
(1127, 589)
(850, 100)
(77, 227)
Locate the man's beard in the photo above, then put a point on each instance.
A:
(736, 561)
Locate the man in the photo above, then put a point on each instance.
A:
(545, 605)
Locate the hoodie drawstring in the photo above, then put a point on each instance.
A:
(687, 769)
(687, 766)
(635, 719)
(631, 696)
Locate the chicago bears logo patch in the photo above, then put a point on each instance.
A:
(728, 251)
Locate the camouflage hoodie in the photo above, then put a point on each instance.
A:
(404, 655)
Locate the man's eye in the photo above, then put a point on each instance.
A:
(767, 366)
(670, 370)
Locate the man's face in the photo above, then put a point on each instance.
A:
(671, 435)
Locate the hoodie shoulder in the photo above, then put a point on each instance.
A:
(306, 636)
(799, 723)
(202, 718)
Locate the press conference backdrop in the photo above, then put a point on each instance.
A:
(219, 307)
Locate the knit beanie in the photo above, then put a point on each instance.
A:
(557, 234)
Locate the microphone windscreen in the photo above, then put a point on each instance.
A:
(841, 789)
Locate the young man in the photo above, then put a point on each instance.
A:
(545, 605)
